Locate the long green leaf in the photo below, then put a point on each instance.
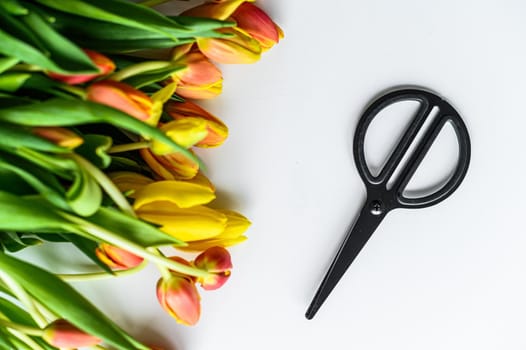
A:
(65, 301)
(85, 9)
(7, 62)
(62, 51)
(62, 112)
(21, 214)
(132, 229)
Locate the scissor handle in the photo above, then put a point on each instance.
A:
(394, 198)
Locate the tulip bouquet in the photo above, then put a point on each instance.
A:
(98, 131)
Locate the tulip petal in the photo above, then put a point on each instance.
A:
(240, 48)
(181, 193)
(186, 224)
(127, 181)
(258, 24)
(217, 10)
(171, 166)
(199, 246)
(180, 298)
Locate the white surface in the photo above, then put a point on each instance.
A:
(447, 277)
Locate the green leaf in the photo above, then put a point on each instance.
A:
(14, 242)
(63, 52)
(7, 62)
(21, 214)
(13, 7)
(6, 341)
(153, 76)
(11, 82)
(15, 313)
(52, 113)
(65, 301)
(14, 26)
(84, 196)
(132, 229)
(94, 149)
(100, 12)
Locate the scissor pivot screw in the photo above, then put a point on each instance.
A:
(377, 208)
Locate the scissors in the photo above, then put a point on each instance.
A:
(381, 198)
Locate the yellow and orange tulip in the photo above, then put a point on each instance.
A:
(121, 96)
(60, 136)
(216, 260)
(200, 79)
(217, 131)
(116, 257)
(63, 334)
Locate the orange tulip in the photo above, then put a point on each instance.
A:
(103, 63)
(216, 260)
(200, 79)
(63, 334)
(258, 24)
(117, 257)
(179, 296)
(60, 136)
(216, 130)
(239, 48)
(122, 97)
(174, 166)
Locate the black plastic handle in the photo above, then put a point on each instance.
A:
(377, 185)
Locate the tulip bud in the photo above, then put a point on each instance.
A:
(103, 63)
(122, 97)
(217, 132)
(60, 136)
(184, 132)
(200, 79)
(217, 261)
(239, 48)
(258, 24)
(63, 334)
(174, 166)
(180, 298)
(117, 257)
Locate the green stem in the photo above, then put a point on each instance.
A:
(26, 300)
(165, 272)
(138, 68)
(101, 275)
(22, 328)
(102, 234)
(75, 91)
(104, 182)
(129, 147)
(26, 67)
(25, 339)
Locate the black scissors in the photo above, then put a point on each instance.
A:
(381, 199)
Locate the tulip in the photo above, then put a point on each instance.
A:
(217, 131)
(63, 334)
(60, 136)
(103, 63)
(173, 166)
(200, 79)
(238, 48)
(258, 25)
(116, 257)
(122, 97)
(184, 132)
(180, 298)
(217, 261)
(128, 182)
(232, 234)
(181, 193)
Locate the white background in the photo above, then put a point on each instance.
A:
(446, 277)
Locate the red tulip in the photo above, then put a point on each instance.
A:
(103, 63)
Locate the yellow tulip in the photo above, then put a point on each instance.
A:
(232, 234)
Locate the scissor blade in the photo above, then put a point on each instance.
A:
(356, 237)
